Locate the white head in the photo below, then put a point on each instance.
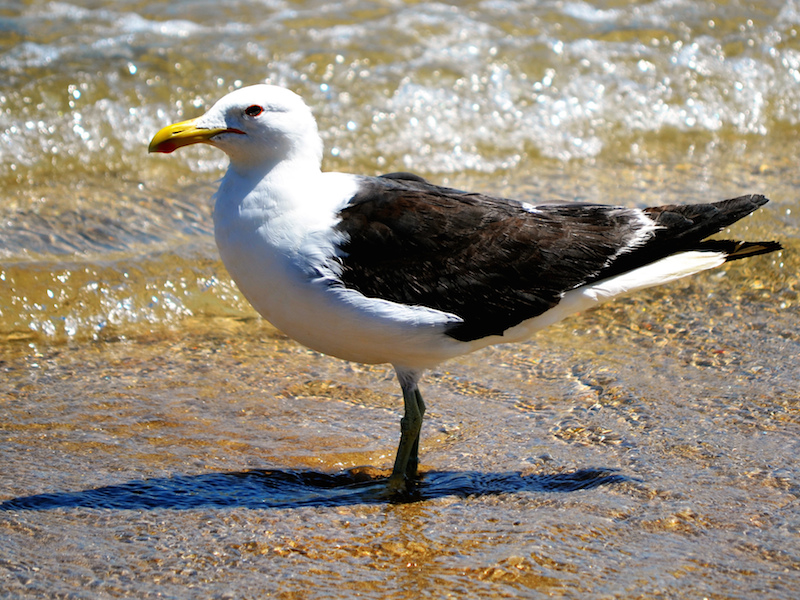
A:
(258, 127)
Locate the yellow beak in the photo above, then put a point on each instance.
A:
(184, 133)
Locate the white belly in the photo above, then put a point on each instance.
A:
(275, 254)
(337, 321)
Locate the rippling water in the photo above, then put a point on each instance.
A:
(132, 364)
(495, 95)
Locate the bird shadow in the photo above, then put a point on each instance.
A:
(290, 489)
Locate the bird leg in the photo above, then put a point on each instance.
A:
(413, 458)
(407, 459)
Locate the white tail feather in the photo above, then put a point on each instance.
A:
(662, 271)
(657, 273)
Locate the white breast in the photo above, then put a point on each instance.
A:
(276, 243)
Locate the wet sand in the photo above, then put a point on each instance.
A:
(158, 439)
(644, 449)
(657, 460)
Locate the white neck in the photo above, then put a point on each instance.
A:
(267, 190)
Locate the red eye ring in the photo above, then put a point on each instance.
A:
(253, 111)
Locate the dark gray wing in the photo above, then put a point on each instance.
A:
(495, 262)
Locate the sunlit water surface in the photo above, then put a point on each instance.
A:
(159, 439)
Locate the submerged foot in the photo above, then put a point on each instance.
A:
(397, 484)
(399, 487)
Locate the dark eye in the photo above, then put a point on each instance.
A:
(253, 111)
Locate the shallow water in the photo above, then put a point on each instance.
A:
(160, 439)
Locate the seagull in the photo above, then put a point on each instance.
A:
(394, 269)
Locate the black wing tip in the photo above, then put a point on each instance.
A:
(744, 204)
(738, 250)
(757, 199)
(734, 209)
(691, 223)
